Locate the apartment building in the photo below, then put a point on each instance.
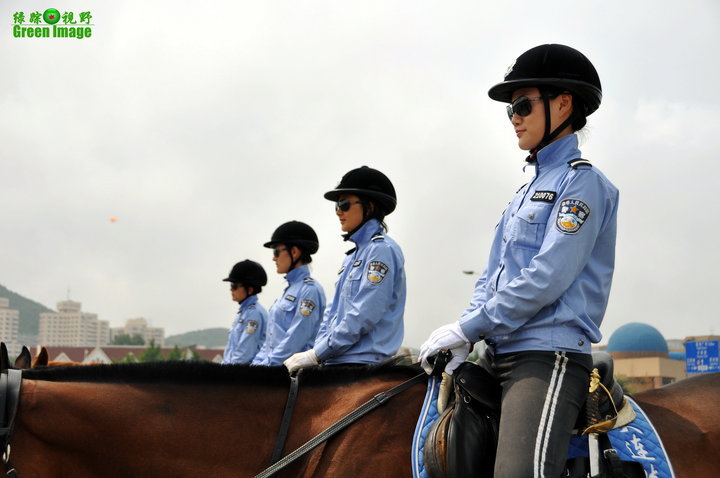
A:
(140, 327)
(9, 324)
(70, 326)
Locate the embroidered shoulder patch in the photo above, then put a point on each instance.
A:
(572, 215)
(376, 272)
(252, 326)
(306, 307)
(544, 196)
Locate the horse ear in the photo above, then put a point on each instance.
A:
(4, 359)
(23, 360)
(42, 358)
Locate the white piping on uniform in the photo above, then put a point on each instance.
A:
(548, 413)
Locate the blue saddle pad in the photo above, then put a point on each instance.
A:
(428, 415)
(636, 441)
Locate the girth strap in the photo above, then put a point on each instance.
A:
(379, 399)
(287, 417)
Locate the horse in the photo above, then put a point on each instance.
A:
(184, 419)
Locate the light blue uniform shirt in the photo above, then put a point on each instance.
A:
(547, 281)
(247, 332)
(364, 322)
(294, 318)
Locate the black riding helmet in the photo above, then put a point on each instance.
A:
(367, 182)
(295, 233)
(552, 66)
(248, 273)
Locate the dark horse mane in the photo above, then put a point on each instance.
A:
(190, 372)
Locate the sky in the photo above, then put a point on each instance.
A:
(201, 127)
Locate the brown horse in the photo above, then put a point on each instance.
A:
(189, 419)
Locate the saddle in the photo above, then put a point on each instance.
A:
(463, 440)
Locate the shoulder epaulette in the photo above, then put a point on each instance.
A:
(308, 279)
(520, 188)
(350, 251)
(579, 162)
(377, 236)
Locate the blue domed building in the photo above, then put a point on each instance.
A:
(642, 357)
(637, 340)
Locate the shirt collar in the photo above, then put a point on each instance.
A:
(299, 273)
(366, 231)
(558, 152)
(248, 302)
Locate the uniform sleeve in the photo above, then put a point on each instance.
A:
(368, 296)
(562, 256)
(304, 324)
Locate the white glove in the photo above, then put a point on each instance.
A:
(448, 337)
(301, 360)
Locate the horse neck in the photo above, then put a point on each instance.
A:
(227, 429)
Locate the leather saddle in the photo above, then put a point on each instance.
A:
(463, 440)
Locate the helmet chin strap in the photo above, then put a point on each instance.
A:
(548, 137)
(293, 261)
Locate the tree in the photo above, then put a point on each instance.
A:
(126, 339)
(129, 358)
(175, 354)
(152, 353)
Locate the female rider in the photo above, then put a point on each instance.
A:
(295, 316)
(539, 304)
(364, 322)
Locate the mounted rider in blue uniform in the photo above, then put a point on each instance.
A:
(364, 322)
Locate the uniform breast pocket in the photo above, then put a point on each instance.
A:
(288, 310)
(529, 225)
(352, 284)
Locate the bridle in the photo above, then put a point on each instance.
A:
(10, 383)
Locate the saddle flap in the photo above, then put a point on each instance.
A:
(473, 380)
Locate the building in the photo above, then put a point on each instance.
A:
(642, 357)
(116, 353)
(72, 327)
(140, 327)
(9, 326)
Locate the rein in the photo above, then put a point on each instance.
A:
(379, 399)
(287, 415)
(438, 363)
(10, 382)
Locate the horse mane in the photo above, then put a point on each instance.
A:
(190, 372)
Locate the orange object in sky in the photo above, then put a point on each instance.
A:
(113, 219)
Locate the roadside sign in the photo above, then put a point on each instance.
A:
(702, 356)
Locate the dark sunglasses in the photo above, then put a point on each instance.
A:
(344, 205)
(276, 252)
(235, 285)
(522, 106)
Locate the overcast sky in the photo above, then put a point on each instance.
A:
(203, 126)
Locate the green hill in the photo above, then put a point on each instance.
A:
(29, 310)
(210, 338)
